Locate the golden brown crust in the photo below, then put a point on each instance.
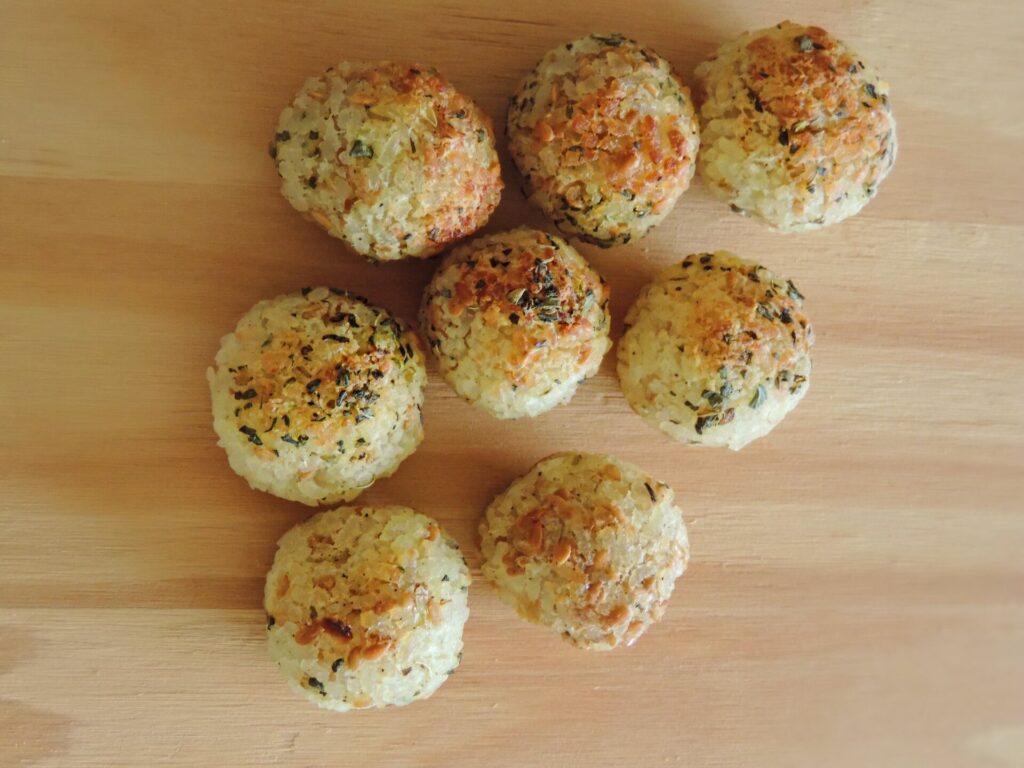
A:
(546, 297)
(605, 136)
(314, 377)
(517, 319)
(365, 606)
(815, 88)
(816, 118)
(362, 139)
(775, 331)
(587, 545)
(625, 149)
(716, 350)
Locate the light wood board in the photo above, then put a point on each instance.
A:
(856, 595)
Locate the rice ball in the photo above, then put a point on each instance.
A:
(365, 607)
(389, 158)
(796, 129)
(717, 350)
(586, 545)
(317, 394)
(517, 320)
(605, 137)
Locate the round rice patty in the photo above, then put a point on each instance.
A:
(389, 158)
(796, 129)
(517, 320)
(716, 351)
(605, 136)
(317, 394)
(586, 545)
(365, 607)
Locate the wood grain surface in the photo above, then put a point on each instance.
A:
(856, 595)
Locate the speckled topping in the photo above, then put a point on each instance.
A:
(716, 350)
(587, 545)
(388, 157)
(605, 136)
(516, 320)
(317, 393)
(791, 108)
(365, 606)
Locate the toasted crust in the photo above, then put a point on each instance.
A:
(605, 136)
(389, 158)
(317, 394)
(716, 350)
(796, 129)
(365, 607)
(516, 320)
(586, 545)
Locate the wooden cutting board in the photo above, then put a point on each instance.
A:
(856, 595)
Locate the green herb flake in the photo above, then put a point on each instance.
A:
(359, 149)
(251, 434)
(805, 43)
(703, 422)
(713, 398)
(759, 397)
